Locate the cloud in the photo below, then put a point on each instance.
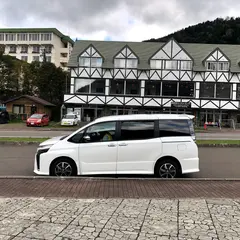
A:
(134, 20)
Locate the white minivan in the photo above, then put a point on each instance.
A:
(160, 144)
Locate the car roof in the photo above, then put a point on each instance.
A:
(144, 117)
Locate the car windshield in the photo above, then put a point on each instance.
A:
(69, 117)
(37, 116)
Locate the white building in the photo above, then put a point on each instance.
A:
(148, 77)
(28, 44)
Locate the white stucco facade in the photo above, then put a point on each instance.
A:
(29, 45)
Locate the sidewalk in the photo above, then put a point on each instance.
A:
(117, 188)
(114, 219)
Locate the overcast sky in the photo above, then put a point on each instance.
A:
(123, 20)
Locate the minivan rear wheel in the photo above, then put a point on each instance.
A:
(168, 168)
(63, 168)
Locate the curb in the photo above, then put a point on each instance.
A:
(200, 145)
(96, 178)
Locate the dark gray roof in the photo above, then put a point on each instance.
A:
(144, 51)
(34, 99)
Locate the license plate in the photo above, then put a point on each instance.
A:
(32, 123)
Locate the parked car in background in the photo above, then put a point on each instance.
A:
(160, 144)
(4, 117)
(38, 119)
(70, 119)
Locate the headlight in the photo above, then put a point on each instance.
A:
(44, 147)
(39, 121)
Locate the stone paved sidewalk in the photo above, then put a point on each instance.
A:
(100, 219)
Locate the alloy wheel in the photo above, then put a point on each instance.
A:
(63, 169)
(167, 170)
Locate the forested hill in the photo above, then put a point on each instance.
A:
(219, 31)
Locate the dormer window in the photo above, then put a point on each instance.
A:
(126, 59)
(90, 58)
(217, 61)
(217, 66)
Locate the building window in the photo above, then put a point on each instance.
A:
(24, 49)
(152, 88)
(220, 66)
(18, 109)
(117, 87)
(223, 90)
(22, 36)
(133, 87)
(137, 130)
(171, 64)
(173, 128)
(125, 63)
(35, 58)
(1, 36)
(34, 37)
(207, 90)
(156, 64)
(223, 66)
(36, 49)
(46, 36)
(186, 89)
(10, 37)
(186, 65)
(169, 88)
(48, 49)
(48, 58)
(24, 58)
(90, 86)
(238, 91)
(13, 49)
(90, 62)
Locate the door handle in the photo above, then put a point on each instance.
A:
(123, 144)
(111, 145)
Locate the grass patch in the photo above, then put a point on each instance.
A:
(218, 142)
(19, 139)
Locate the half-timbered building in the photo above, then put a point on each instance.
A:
(150, 77)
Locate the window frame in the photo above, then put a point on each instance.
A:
(155, 129)
(217, 64)
(89, 92)
(116, 132)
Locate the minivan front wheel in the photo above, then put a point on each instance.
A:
(168, 168)
(63, 168)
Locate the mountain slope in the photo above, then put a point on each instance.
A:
(219, 31)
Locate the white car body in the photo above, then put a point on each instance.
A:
(69, 119)
(122, 156)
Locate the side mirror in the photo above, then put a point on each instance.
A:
(86, 138)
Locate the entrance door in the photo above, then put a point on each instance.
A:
(33, 109)
(98, 151)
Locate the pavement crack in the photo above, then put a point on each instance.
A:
(140, 229)
(109, 219)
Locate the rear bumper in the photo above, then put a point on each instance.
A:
(190, 165)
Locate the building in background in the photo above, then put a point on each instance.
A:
(149, 77)
(28, 44)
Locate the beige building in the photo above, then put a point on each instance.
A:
(29, 44)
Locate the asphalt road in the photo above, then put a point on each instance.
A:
(45, 134)
(214, 162)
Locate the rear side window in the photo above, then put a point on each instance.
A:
(174, 128)
(137, 130)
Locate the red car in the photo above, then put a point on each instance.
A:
(38, 119)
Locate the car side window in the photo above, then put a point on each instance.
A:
(174, 128)
(77, 138)
(137, 130)
(100, 132)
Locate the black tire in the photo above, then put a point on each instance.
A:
(167, 168)
(63, 167)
